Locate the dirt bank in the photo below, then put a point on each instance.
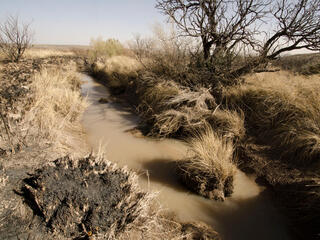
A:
(271, 119)
(45, 194)
(247, 214)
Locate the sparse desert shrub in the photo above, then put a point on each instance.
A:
(209, 171)
(283, 112)
(101, 49)
(15, 38)
(165, 54)
(115, 72)
(169, 56)
(306, 64)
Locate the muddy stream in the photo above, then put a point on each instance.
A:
(247, 215)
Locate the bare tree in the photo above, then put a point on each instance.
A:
(228, 25)
(221, 24)
(297, 27)
(15, 38)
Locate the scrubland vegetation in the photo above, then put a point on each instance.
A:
(41, 108)
(202, 88)
(209, 170)
(266, 122)
(305, 64)
(35, 52)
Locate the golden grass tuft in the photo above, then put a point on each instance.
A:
(122, 64)
(152, 95)
(57, 103)
(212, 154)
(177, 111)
(282, 110)
(2, 56)
(210, 169)
(116, 72)
(229, 124)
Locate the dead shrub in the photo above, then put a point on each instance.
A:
(86, 197)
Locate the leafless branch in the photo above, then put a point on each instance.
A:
(15, 38)
(227, 25)
(221, 24)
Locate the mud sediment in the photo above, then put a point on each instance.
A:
(205, 184)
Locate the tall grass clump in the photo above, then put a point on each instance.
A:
(117, 73)
(282, 111)
(151, 93)
(179, 112)
(183, 113)
(57, 102)
(209, 171)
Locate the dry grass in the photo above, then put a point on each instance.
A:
(183, 113)
(306, 64)
(122, 64)
(229, 124)
(100, 49)
(155, 224)
(2, 56)
(176, 111)
(212, 154)
(44, 53)
(210, 169)
(153, 93)
(116, 72)
(57, 104)
(282, 110)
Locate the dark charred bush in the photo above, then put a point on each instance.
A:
(79, 198)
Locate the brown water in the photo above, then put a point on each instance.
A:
(247, 215)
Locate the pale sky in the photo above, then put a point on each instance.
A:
(77, 21)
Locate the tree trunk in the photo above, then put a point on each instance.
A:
(206, 48)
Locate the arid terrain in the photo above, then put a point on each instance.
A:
(207, 129)
(42, 132)
(41, 135)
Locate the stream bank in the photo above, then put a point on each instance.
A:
(248, 214)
